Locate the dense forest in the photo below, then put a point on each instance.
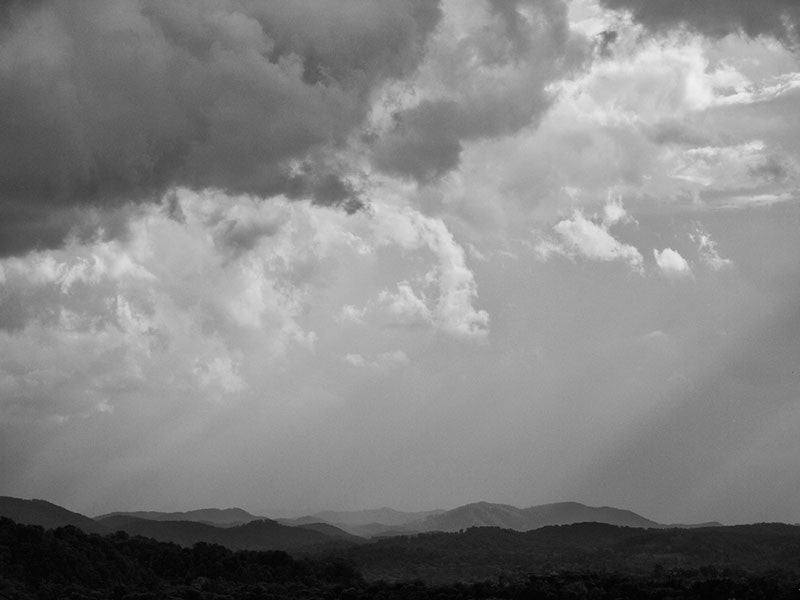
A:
(68, 563)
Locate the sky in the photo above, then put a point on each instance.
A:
(411, 253)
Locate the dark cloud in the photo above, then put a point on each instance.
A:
(606, 39)
(529, 42)
(771, 170)
(718, 18)
(28, 226)
(111, 101)
(425, 143)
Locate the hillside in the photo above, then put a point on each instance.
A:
(257, 535)
(46, 514)
(485, 514)
(67, 563)
(483, 552)
(331, 531)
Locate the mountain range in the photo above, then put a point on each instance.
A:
(263, 534)
(484, 514)
(238, 529)
(211, 516)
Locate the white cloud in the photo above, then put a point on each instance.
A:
(385, 361)
(584, 238)
(707, 249)
(450, 289)
(614, 212)
(752, 93)
(355, 359)
(193, 307)
(352, 314)
(405, 305)
(671, 263)
(651, 122)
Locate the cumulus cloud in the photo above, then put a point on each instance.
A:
(586, 238)
(168, 310)
(486, 75)
(448, 289)
(671, 263)
(614, 212)
(209, 295)
(106, 102)
(718, 18)
(405, 306)
(683, 120)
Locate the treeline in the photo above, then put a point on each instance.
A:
(68, 563)
(481, 553)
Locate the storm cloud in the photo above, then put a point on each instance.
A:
(491, 80)
(103, 103)
(718, 18)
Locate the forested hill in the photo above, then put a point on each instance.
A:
(264, 534)
(46, 514)
(482, 552)
(68, 563)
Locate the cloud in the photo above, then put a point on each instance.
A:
(676, 122)
(449, 287)
(405, 306)
(671, 263)
(707, 249)
(384, 361)
(614, 212)
(106, 103)
(170, 310)
(717, 18)
(352, 314)
(486, 75)
(585, 238)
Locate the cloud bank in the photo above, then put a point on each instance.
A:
(718, 18)
(106, 102)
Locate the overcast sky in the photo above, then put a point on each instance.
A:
(305, 255)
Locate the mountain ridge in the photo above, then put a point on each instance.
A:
(341, 525)
(262, 534)
(213, 516)
(383, 515)
(506, 516)
(46, 514)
